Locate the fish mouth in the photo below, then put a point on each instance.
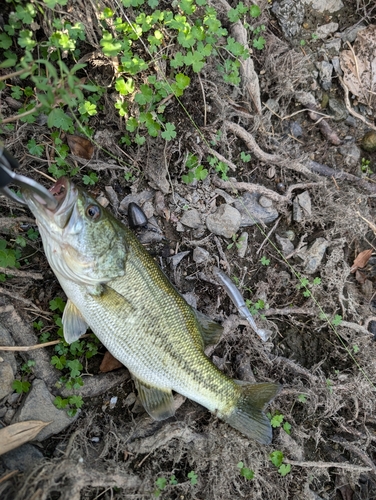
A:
(65, 194)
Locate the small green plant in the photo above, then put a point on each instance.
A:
(329, 385)
(276, 457)
(365, 166)
(305, 284)
(195, 171)
(21, 386)
(192, 476)
(90, 180)
(28, 366)
(337, 320)
(245, 157)
(219, 166)
(161, 484)
(277, 420)
(256, 307)
(245, 471)
(236, 240)
(71, 404)
(355, 349)
(302, 398)
(302, 43)
(264, 261)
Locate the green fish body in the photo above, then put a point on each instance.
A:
(115, 288)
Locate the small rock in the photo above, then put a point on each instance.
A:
(290, 235)
(139, 198)
(314, 255)
(304, 200)
(22, 458)
(242, 244)
(350, 34)
(285, 245)
(111, 193)
(351, 121)
(265, 202)
(227, 197)
(325, 30)
(38, 405)
(191, 299)
(252, 212)
(6, 379)
(337, 65)
(296, 129)
(177, 258)
(272, 104)
(179, 227)
(325, 73)
(368, 141)
(148, 209)
(338, 109)
(351, 154)
(200, 255)
(323, 5)
(191, 218)
(224, 222)
(103, 201)
(334, 46)
(290, 15)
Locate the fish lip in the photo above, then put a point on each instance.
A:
(65, 194)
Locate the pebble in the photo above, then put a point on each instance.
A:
(296, 129)
(285, 245)
(224, 222)
(290, 15)
(200, 255)
(139, 198)
(350, 34)
(325, 5)
(38, 405)
(6, 379)
(242, 244)
(177, 258)
(314, 255)
(338, 109)
(22, 458)
(265, 202)
(351, 154)
(252, 212)
(301, 207)
(325, 30)
(325, 73)
(191, 218)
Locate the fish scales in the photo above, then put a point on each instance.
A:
(114, 286)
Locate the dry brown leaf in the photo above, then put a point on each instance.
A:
(80, 146)
(361, 260)
(109, 363)
(16, 434)
(358, 66)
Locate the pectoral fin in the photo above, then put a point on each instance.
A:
(210, 331)
(159, 403)
(74, 324)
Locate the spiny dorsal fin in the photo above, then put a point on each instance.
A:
(159, 403)
(74, 324)
(210, 331)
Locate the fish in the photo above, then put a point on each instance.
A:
(115, 288)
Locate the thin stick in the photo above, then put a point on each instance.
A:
(16, 73)
(350, 109)
(21, 274)
(221, 158)
(8, 475)
(203, 97)
(26, 348)
(268, 235)
(326, 465)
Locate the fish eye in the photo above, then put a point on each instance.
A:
(93, 212)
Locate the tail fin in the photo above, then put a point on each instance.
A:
(248, 416)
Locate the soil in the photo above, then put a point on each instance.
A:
(322, 348)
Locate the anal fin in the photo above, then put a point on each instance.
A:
(74, 324)
(159, 403)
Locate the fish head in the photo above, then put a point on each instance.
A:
(83, 242)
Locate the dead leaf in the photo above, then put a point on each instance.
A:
(361, 260)
(80, 146)
(359, 65)
(109, 363)
(14, 435)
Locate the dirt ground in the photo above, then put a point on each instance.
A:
(322, 347)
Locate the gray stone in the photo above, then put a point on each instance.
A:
(296, 129)
(191, 218)
(252, 212)
(38, 405)
(333, 46)
(323, 5)
(290, 15)
(351, 121)
(338, 109)
(242, 244)
(325, 30)
(285, 245)
(265, 202)
(350, 34)
(175, 260)
(6, 378)
(139, 198)
(351, 154)
(224, 222)
(325, 74)
(22, 458)
(6, 339)
(314, 255)
(304, 200)
(200, 255)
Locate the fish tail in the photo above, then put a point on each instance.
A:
(248, 416)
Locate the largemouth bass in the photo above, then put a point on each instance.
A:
(114, 287)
